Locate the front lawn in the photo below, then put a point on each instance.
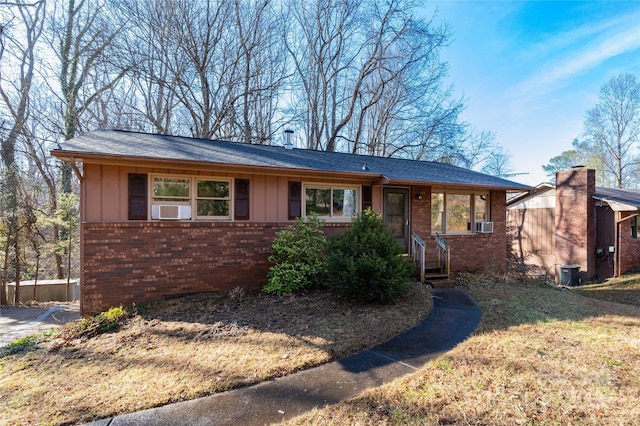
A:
(539, 357)
(188, 347)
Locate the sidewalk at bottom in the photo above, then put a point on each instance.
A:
(454, 317)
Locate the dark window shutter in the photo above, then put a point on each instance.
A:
(295, 200)
(367, 197)
(241, 210)
(137, 196)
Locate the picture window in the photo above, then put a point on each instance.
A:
(331, 202)
(458, 212)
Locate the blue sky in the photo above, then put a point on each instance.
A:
(529, 70)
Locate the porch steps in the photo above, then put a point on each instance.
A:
(435, 275)
(441, 283)
(434, 272)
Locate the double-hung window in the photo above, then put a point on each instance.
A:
(213, 198)
(634, 227)
(202, 198)
(330, 201)
(458, 212)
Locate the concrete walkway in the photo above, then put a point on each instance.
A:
(17, 322)
(454, 317)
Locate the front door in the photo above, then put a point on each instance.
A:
(396, 214)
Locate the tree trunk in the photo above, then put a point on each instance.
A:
(18, 271)
(5, 276)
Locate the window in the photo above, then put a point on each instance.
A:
(634, 227)
(481, 208)
(212, 198)
(437, 212)
(208, 198)
(171, 189)
(457, 212)
(330, 201)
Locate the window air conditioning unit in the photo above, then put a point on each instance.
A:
(169, 212)
(484, 227)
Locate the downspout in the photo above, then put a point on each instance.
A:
(616, 258)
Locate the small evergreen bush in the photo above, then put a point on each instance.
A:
(298, 258)
(365, 262)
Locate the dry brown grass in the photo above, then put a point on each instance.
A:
(625, 289)
(540, 357)
(189, 347)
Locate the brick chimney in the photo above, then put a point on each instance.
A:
(576, 220)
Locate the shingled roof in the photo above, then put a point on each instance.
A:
(619, 199)
(144, 146)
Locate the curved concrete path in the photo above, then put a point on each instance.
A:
(454, 317)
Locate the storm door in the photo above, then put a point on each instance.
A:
(605, 241)
(396, 214)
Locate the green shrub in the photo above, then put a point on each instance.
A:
(95, 325)
(364, 263)
(298, 258)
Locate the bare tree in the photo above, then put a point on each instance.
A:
(324, 67)
(369, 77)
(81, 36)
(498, 163)
(264, 69)
(152, 54)
(22, 27)
(206, 69)
(612, 128)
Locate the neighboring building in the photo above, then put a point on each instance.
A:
(575, 223)
(164, 215)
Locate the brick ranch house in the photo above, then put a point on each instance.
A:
(164, 215)
(575, 223)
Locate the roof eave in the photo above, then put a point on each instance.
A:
(617, 206)
(109, 159)
(373, 178)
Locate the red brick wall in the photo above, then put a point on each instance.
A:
(576, 220)
(628, 248)
(421, 211)
(483, 252)
(133, 262)
(475, 252)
